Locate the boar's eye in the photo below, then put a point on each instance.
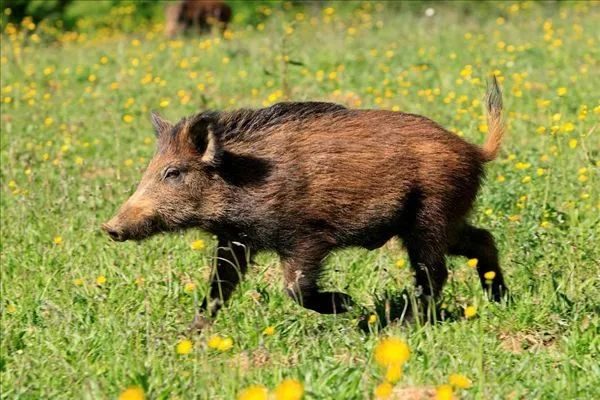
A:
(172, 174)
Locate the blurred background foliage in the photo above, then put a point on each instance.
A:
(132, 15)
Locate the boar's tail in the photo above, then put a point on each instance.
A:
(496, 128)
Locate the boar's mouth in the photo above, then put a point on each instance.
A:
(140, 231)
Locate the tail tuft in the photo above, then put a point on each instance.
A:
(496, 128)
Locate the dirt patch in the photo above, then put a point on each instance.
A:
(413, 393)
(519, 342)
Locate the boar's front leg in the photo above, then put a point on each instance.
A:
(232, 263)
(301, 272)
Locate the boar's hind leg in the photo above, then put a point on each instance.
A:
(232, 263)
(426, 245)
(301, 273)
(478, 243)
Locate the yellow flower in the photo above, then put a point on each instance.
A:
(393, 373)
(132, 393)
(391, 351)
(189, 287)
(546, 224)
(226, 344)
(372, 319)
(219, 343)
(57, 240)
(472, 262)
(490, 275)
(127, 118)
(561, 91)
(470, 311)
(500, 178)
(254, 392)
(197, 244)
(101, 280)
(48, 121)
(443, 392)
(269, 331)
(128, 162)
(184, 346)
(401, 263)
(11, 309)
(79, 160)
(164, 103)
(289, 389)
(383, 390)
(573, 143)
(526, 179)
(460, 381)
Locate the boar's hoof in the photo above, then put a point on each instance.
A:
(325, 302)
(199, 323)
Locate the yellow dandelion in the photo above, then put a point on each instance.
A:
(189, 287)
(500, 178)
(289, 389)
(164, 103)
(470, 311)
(372, 319)
(269, 331)
(393, 373)
(573, 143)
(100, 280)
(254, 392)
(400, 263)
(226, 344)
(444, 392)
(132, 393)
(526, 179)
(490, 275)
(383, 390)
(57, 240)
(128, 162)
(184, 347)
(11, 309)
(390, 351)
(214, 342)
(472, 262)
(459, 381)
(79, 160)
(48, 121)
(127, 118)
(546, 224)
(561, 91)
(197, 244)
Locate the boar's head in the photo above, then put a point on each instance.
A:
(179, 189)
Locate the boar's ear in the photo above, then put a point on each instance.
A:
(201, 131)
(160, 125)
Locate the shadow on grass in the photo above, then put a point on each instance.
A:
(402, 308)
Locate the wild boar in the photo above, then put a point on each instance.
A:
(303, 179)
(197, 14)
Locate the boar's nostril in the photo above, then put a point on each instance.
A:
(113, 233)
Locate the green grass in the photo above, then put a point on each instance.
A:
(69, 160)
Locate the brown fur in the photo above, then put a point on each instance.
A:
(197, 14)
(303, 179)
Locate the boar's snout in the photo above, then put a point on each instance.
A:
(114, 232)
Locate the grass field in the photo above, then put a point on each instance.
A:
(83, 317)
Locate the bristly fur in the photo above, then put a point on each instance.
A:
(246, 122)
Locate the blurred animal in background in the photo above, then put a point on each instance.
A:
(198, 15)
